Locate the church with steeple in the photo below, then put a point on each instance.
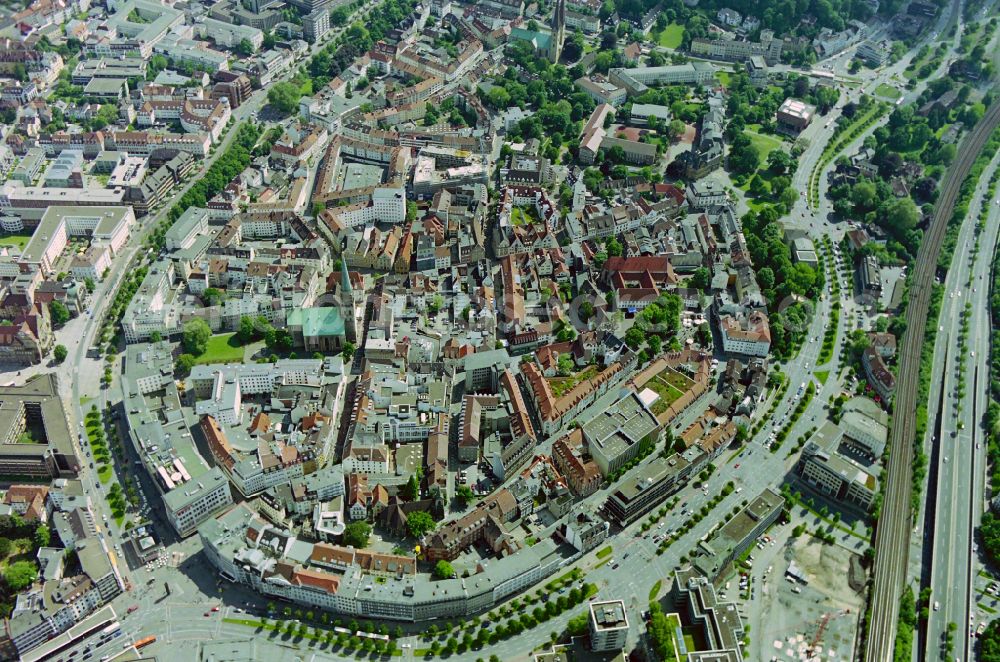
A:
(558, 31)
(348, 305)
(328, 327)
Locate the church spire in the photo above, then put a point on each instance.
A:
(345, 279)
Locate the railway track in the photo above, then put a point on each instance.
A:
(892, 539)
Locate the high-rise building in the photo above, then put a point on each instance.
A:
(608, 625)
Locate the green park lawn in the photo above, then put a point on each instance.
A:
(104, 473)
(18, 240)
(671, 36)
(887, 92)
(765, 144)
(222, 348)
(523, 216)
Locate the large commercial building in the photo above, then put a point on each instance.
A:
(729, 541)
(152, 309)
(837, 476)
(355, 583)
(739, 50)
(191, 490)
(155, 20)
(794, 116)
(106, 226)
(719, 622)
(615, 435)
(637, 80)
(651, 484)
(35, 437)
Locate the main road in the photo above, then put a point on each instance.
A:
(892, 537)
(957, 505)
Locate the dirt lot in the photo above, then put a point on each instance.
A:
(817, 621)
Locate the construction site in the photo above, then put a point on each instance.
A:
(804, 610)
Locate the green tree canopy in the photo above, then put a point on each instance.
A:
(990, 642)
(701, 278)
(196, 335)
(356, 534)
(59, 313)
(419, 523)
(348, 351)
(184, 364)
(443, 570)
(411, 490)
(59, 353)
(463, 494)
(20, 575)
(284, 96)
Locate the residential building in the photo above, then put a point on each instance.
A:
(747, 334)
(879, 376)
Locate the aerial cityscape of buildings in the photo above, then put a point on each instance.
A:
(568, 330)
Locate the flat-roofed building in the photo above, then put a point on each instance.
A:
(644, 490)
(730, 540)
(107, 227)
(616, 434)
(106, 89)
(637, 80)
(13, 195)
(794, 115)
(601, 90)
(608, 625)
(718, 622)
(836, 476)
(29, 166)
(642, 113)
(35, 439)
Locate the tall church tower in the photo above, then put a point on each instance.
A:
(348, 304)
(558, 31)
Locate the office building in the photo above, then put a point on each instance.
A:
(608, 625)
(713, 555)
(35, 437)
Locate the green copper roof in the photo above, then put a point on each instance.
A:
(317, 321)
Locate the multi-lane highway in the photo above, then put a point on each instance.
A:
(894, 526)
(960, 453)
